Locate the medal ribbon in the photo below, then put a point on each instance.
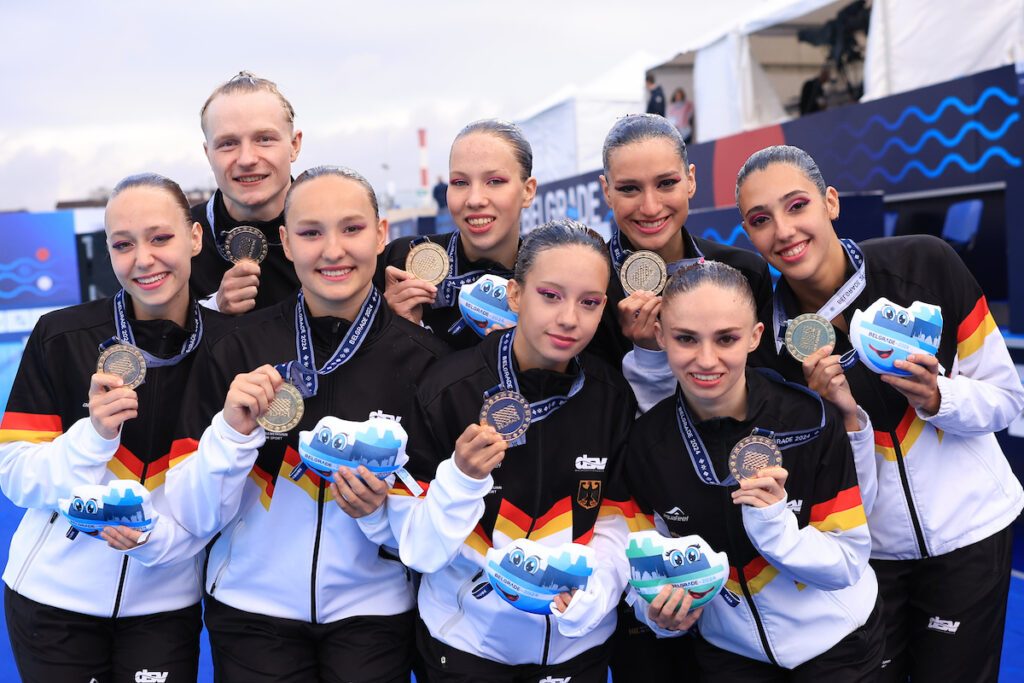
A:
(838, 303)
(539, 410)
(620, 254)
(124, 334)
(211, 220)
(701, 459)
(448, 289)
(300, 372)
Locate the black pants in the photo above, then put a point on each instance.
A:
(52, 644)
(638, 656)
(945, 614)
(248, 648)
(445, 664)
(857, 658)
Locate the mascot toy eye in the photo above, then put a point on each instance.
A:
(485, 303)
(92, 507)
(378, 444)
(687, 562)
(528, 575)
(887, 332)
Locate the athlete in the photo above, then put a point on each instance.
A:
(557, 487)
(78, 610)
(800, 603)
(489, 185)
(940, 528)
(648, 183)
(251, 142)
(295, 589)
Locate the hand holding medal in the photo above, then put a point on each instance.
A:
(756, 465)
(112, 397)
(250, 397)
(478, 450)
(406, 293)
(825, 375)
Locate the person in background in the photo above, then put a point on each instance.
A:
(655, 96)
(812, 94)
(441, 194)
(251, 142)
(680, 113)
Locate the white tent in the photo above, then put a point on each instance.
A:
(566, 130)
(749, 75)
(914, 43)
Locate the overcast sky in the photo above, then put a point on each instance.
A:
(93, 91)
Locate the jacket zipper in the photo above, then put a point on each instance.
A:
(316, 552)
(533, 522)
(459, 598)
(905, 482)
(35, 550)
(757, 617)
(124, 562)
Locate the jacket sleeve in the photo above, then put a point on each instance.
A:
(432, 527)
(40, 462)
(983, 393)
(604, 588)
(210, 461)
(862, 442)
(649, 375)
(832, 551)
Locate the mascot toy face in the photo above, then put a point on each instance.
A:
(485, 303)
(687, 562)
(887, 332)
(377, 443)
(93, 507)
(528, 575)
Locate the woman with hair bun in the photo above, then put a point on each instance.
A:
(78, 610)
(490, 183)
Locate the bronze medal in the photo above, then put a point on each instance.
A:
(643, 271)
(126, 362)
(753, 454)
(284, 412)
(508, 412)
(245, 242)
(428, 261)
(807, 333)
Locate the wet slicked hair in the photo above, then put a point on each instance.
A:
(337, 172)
(562, 232)
(781, 154)
(157, 182)
(713, 273)
(247, 82)
(510, 133)
(638, 127)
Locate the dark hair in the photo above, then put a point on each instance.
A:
(561, 232)
(781, 154)
(637, 127)
(713, 273)
(247, 82)
(338, 172)
(649, 77)
(510, 133)
(157, 182)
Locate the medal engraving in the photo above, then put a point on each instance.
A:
(753, 454)
(428, 261)
(508, 412)
(807, 333)
(643, 271)
(124, 361)
(245, 242)
(284, 411)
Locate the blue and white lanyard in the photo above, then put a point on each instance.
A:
(698, 453)
(507, 381)
(620, 254)
(839, 302)
(213, 232)
(124, 334)
(448, 290)
(301, 372)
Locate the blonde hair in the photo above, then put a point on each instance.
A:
(247, 82)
